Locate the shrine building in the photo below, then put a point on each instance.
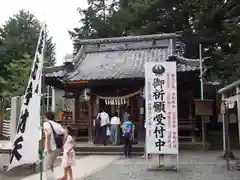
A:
(109, 73)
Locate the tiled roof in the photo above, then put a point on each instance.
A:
(122, 57)
(123, 64)
(55, 71)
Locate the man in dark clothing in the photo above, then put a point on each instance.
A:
(97, 127)
(128, 137)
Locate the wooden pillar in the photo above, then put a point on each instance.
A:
(223, 126)
(96, 106)
(76, 111)
(238, 110)
(73, 109)
(141, 129)
(90, 124)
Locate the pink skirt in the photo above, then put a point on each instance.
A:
(68, 159)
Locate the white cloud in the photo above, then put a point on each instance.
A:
(60, 15)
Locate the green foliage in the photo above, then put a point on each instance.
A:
(212, 23)
(50, 53)
(16, 85)
(18, 37)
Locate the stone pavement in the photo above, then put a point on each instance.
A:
(19, 172)
(83, 167)
(193, 166)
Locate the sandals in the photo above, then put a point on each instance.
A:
(62, 178)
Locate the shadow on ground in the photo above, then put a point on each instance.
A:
(193, 166)
(21, 172)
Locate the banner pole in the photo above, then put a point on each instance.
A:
(42, 129)
(42, 120)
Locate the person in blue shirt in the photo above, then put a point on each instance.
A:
(127, 129)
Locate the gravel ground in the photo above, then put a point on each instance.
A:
(20, 172)
(193, 166)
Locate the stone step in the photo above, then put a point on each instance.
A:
(82, 139)
(91, 149)
(106, 153)
(102, 149)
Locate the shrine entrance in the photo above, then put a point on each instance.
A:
(121, 103)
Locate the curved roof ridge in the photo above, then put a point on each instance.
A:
(128, 38)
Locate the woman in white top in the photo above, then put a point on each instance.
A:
(115, 127)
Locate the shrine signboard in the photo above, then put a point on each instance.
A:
(203, 107)
(161, 108)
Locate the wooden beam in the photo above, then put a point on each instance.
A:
(77, 82)
(229, 87)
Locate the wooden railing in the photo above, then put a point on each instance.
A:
(79, 127)
(81, 124)
(187, 124)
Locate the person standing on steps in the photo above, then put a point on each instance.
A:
(104, 122)
(127, 129)
(125, 116)
(54, 136)
(97, 129)
(115, 128)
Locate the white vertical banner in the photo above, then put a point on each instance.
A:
(14, 116)
(53, 100)
(25, 144)
(161, 108)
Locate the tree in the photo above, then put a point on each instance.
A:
(207, 22)
(50, 52)
(100, 21)
(212, 23)
(18, 37)
(2, 81)
(18, 68)
(94, 21)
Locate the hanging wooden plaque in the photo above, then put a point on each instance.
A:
(203, 107)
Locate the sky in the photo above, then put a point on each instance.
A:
(60, 16)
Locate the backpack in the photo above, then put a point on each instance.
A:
(128, 128)
(98, 121)
(59, 138)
